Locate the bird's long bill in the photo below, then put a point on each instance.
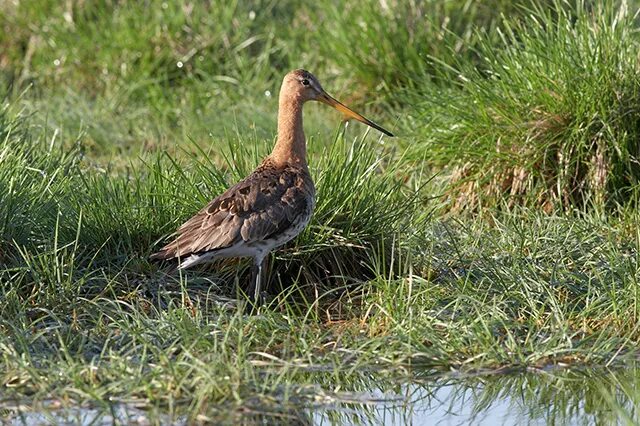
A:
(324, 98)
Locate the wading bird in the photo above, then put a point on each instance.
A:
(270, 206)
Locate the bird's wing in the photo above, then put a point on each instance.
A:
(264, 204)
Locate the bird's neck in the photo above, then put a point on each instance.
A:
(290, 148)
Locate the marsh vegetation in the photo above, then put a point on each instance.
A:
(498, 231)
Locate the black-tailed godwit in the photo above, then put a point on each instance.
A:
(270, 206)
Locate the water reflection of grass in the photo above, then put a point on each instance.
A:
(580, 396)
(554, 396)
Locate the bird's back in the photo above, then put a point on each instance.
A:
(266, 209)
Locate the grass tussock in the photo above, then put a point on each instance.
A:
(549, 117)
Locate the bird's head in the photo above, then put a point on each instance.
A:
(301, 84)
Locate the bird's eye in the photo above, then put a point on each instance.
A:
(305, 82)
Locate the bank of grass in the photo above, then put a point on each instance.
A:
(382, 282)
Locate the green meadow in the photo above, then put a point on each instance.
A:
(497, 232)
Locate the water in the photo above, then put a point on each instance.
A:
(573, 397)
(528, 399)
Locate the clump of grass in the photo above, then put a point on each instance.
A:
(549, 117)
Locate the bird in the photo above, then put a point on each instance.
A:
(269, 207)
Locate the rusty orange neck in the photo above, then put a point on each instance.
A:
(290, 148)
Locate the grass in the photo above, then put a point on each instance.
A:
(538, 134)
(107, 145)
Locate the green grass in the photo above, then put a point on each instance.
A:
(523, 116)
(554, 121)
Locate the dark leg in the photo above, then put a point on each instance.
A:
(255, 286)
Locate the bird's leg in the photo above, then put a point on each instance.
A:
(251, 288)
(256, 290)
(255, 287)
(260, 279)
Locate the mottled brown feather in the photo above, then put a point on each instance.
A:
(258, 208)
(270, 206)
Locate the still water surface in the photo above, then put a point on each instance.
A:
(572, 397)
(541, 398)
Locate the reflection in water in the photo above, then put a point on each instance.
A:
(583, 396)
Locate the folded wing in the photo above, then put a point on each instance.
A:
(262, 206)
